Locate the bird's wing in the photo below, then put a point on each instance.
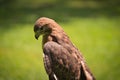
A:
(85, 72)
(47, 64)
(60, 58)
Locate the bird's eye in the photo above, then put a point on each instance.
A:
(41, 28)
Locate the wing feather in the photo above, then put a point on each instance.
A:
(61, 61)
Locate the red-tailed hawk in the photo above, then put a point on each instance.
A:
(62, 60)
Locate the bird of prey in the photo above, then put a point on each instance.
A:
(62, 60)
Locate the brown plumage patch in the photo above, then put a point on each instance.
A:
(62, 60)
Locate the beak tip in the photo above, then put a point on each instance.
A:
(36, 37)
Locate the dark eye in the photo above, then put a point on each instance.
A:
(41, 28)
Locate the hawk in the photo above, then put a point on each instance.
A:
(62, 60)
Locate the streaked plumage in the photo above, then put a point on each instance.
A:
(62, 60)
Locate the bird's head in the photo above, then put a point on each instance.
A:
(42, 26)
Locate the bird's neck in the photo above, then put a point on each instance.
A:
(46, 38)
(60, 38)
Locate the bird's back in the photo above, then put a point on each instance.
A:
(64, 65)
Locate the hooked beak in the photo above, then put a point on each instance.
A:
(37, 34)
(36, 37)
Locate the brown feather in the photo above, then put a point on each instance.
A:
(62, 59)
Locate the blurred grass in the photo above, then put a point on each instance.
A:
(93, 28)
(20, 56)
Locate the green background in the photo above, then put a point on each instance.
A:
(93, 26)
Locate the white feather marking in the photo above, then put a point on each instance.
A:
(55, 77)
(89, 77)
(43, 55)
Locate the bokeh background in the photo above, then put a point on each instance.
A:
(92, 25)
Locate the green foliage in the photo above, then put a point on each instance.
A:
(92, 26)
